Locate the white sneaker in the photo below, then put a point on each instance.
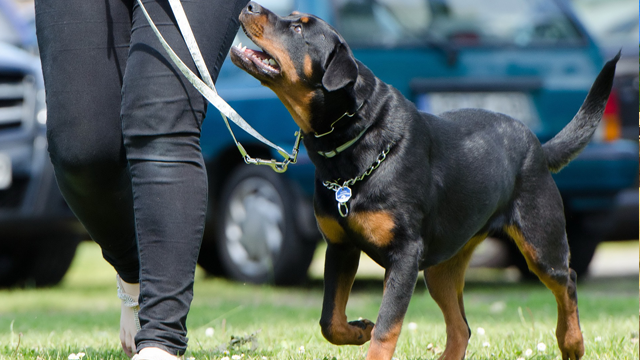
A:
(152, 353)
(129, 321)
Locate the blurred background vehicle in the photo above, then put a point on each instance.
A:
(614, 26)
(532, 59)
(38, 232)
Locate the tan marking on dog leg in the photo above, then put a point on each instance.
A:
(375, 227)
(384, 345)
(568, 333)
(445, 282)
(331, 229)
(526, 249)
(339, 331)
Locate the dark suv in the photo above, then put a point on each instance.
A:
(38, 233)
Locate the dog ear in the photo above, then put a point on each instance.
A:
(340, 70)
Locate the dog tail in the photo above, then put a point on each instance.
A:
(570, 141)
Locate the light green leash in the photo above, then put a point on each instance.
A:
(208, 90)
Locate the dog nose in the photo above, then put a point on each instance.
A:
(254, 8)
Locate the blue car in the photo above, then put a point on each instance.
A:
(531, 59)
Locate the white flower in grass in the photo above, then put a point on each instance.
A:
(520, 358)
(81, 355)
(430, 346)
(264, 358)
(412, 326)
(480, 331)
(225, 358)
(236, 357)
(301, 350)
(498, 307)
(598, 339)
(191, 358)
(542, 347)
(528, 353)
(486, 344)
(209, 332)
(73, 357)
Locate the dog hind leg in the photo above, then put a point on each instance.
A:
(445, 282)
(543, 242)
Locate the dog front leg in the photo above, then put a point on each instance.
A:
(399, 283)
(340, 267)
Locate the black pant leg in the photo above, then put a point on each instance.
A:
(84, 47)
(162, 114)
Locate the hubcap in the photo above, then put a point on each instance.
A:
(254, 226)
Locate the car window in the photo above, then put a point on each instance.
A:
(613, 23)
(463, 22)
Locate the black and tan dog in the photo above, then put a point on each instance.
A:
(413, 190)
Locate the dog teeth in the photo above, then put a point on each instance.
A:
(272, 62)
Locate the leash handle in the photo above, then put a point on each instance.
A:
(210, 93)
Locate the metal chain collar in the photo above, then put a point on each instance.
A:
(343, 192)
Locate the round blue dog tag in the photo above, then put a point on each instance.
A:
(343, 194)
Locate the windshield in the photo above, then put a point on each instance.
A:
(393, 23)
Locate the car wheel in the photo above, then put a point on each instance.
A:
(38, 263)
(257, 236)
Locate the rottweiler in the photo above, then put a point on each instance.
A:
(416, 191)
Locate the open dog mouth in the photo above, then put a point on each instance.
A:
(260, 59)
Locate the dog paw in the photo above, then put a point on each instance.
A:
(364, 329)
(573, 354)
(362, 324)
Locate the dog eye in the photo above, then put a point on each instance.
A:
(297, 28)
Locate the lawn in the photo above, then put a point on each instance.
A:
(509, 320)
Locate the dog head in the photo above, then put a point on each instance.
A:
(303, 60)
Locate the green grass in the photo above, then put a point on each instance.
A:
(82, 314)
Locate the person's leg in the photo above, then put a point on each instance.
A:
(84, 46)
(161, 118)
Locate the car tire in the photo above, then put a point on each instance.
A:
(39, 262)
(258, 240)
